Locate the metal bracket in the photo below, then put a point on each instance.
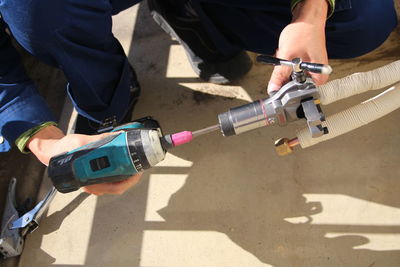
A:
(29, 222)
(290, 97)
(15, 228)
(11, 240)
(314, 118)
(108, 124)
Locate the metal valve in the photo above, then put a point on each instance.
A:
(297, 64)
(309, 102)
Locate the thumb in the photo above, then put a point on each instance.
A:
(280, 76)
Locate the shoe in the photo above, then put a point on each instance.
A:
(85, 126)
(209, 64)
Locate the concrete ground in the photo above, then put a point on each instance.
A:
(232, 201)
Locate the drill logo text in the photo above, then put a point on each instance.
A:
(64, 160)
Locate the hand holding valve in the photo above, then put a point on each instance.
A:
(297, 65)
(303, 91)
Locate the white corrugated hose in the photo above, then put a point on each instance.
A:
(363, 113)
(358, 83)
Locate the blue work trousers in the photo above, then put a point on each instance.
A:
(75, 36)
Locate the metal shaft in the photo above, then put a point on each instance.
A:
(206, 130)
(294, 142)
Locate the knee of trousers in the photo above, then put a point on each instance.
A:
(360, 28)
(41, 25)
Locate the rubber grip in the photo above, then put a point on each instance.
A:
(182, 138)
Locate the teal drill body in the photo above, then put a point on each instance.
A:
(134, 148)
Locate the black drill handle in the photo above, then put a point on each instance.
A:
(269, 60)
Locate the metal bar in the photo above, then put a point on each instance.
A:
(11, 241)
(206, 130)
(35, 214)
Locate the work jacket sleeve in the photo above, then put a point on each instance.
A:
(330, 2)
(21, 106)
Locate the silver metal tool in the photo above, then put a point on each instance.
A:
(297, 64)
(295, 100)
(29, 222)
(206, 130)
(11, 240)
(14, 228)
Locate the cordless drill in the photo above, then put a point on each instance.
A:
(135, 147)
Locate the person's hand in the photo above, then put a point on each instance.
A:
(51, 141)
(304, 37)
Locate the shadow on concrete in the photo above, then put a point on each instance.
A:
(52, 223)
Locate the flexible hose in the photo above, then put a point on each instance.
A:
(355, 117)
(358, 83)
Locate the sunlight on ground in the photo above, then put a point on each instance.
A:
(377, 242)
(171, 249)
(75, 254)
(179, 68)
(353, 211)
(356, 214)
(174, 161)
(124, 26)
(161, 188)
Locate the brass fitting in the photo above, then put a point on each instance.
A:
(284, 146)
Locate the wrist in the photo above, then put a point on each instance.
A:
(311, 11)
(23, 139)
(42, 142)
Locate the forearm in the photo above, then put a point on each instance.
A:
(315, 4)
(311, 11)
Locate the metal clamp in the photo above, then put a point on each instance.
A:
(315, 117)
(15, 228)
(299, 97)
(11, 240)
(29, 222)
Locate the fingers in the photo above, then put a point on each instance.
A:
(115, 188)
(319, 79)
(279, 77)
